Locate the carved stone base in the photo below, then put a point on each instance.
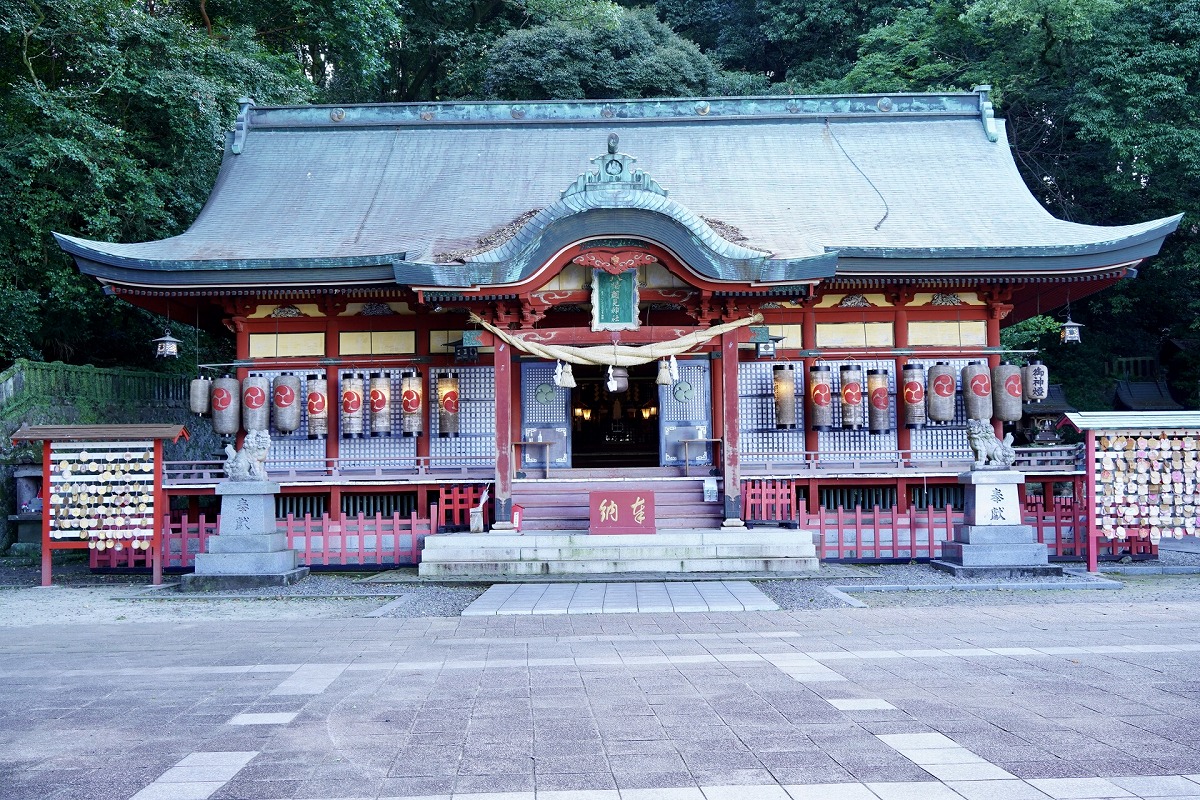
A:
(250, 552)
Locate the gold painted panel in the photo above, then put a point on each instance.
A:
(286, 345)
(855, 334)
(792, 336)
(301, 344)
(964, 333)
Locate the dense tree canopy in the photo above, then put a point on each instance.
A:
(113, 112)
(110, 120)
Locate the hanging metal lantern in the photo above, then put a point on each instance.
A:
(285, 398)
(381, 404)
(879, 410)
(226, 405)
(1036, 378)
(200, 395)
(820, 397)
(317, 405)
(352, 406)
(447, 390)
(167, 346)
(977, 391)
(1070, 331)
(1009, 394)
(784, 382)
(412, 414)
(852, 397)
(912, 376)
(940, 394)
(256, 413)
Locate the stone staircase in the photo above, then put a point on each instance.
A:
(722, 550)
(560, 503)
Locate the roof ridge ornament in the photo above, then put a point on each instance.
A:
(241, 125)
(614, 171)
(987, 112)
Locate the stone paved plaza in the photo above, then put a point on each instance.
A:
(1094, 698)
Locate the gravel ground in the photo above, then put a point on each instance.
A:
(81, 597)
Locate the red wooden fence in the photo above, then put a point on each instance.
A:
(456, 501)
(889, 535)
(348, 542)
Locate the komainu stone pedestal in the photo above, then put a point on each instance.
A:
(249, 552)
(992, 542)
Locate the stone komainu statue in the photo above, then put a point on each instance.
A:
(249, 463)
(989, 451)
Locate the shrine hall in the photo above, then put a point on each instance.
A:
(746, 314)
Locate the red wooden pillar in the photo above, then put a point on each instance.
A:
(333, 349)
(1093, 558)
(429, 400)
(996, 312)
(47, 555)
(809, 341)
(900, 337)
(731, 446)
(504, 439)
(162, 511)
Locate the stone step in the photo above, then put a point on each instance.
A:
(479, 554)
(563, 553)
(562, 567)
(665, 538)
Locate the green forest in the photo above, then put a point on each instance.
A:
(113, 115)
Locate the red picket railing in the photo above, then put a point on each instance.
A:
(888, 535)
(877, 535)
(362, 540)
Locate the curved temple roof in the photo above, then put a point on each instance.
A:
(866, 185)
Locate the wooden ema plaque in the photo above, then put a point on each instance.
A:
(621, 512)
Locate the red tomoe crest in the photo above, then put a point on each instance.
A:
(221, 399)
(284, 396)
(1012, 385)
(379, 400)
(879, 397)
(316, 403)
(254, 397)
(351, 401)
(852, 393)
(981, 385)
(821, 394)
(913, 393)
(943, 386)
(450, 402)
(410, 401)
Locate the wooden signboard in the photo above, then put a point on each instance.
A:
(621, 512)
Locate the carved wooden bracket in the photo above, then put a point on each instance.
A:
(614, 262)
